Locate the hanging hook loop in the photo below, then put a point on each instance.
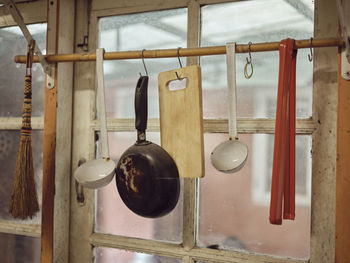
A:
(178, 77)
(178, 56)
(143, 62)
(249, 62)
(310, 56)
(30, 53)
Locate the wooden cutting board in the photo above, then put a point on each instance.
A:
(181, 120)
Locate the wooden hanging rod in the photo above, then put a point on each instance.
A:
(185, 52)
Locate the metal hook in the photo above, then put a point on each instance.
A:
(250, 56)
(178, 78)
(32, 45)
(79, 190)
(310, 56)
(178, 56)
(249, 62)
(143, 62)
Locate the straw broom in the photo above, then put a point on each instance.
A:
(24, 200)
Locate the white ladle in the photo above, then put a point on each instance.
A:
(100, 172)
(230, 156)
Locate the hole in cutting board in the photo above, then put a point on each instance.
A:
(177, 84)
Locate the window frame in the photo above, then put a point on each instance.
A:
(81, 236)
(187, 251)
(34, 12)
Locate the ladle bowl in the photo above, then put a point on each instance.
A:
(229, 156)
(95, 173)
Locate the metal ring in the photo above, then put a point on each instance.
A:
(246, 75)
(249, 62)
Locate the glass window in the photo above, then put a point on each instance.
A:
(106, 255)
(15, 248)
(12, 42)
(243, 199)
(9, 141)
(150, 30)
(256, 21)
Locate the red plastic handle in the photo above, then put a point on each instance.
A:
(283, 173)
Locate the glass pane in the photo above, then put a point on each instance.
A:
(113, 217)
(150, 30)
(243, 199)
(256, 21)
(14, 248)
(12, 42)
(107, 255)
(9, 141)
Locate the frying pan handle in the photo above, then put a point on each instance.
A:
(141, 106)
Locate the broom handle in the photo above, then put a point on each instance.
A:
(29, 60)
(101, 101)
(26, 129)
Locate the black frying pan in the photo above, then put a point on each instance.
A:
(147, 177)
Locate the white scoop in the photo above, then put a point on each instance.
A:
(230, 156)
(98, 173)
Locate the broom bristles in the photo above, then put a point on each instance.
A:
(24, 200)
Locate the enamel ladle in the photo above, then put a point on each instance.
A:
(230, 156)
(97, 173)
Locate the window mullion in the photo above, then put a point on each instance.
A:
(63, 134)
(15, 123)
(82, 214)
(172, 250)
(190, 185)
(245, 125)
(33, 230)
(324, 159)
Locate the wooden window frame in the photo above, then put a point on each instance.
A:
(322, 181)
(73, 240)
(34, 12)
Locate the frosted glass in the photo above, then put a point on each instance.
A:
(12, 42)
(243, 200)
(106, 255)
(149, 30)
(9, 141)
(15, 248)
(256, 21)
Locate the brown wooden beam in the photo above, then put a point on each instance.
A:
(49, 142)
(342, 229)
(48, 183)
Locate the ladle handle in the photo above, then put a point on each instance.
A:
(101, 101)
(141, 107)
(231, 86)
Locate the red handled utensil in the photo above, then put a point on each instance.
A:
(283, 173)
